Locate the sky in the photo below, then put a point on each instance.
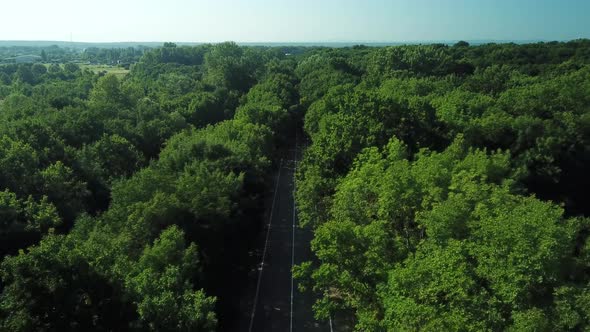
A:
(293, 20)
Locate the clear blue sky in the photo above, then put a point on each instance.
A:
(293, 20)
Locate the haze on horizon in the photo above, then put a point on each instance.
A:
(294, 20)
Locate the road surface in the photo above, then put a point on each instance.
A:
(273, 302)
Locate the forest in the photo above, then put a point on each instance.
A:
(445, 185)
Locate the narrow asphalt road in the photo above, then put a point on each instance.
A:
(274, 303)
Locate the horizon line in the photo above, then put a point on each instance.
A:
(299, 41)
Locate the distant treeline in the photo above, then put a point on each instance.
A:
(56, 54)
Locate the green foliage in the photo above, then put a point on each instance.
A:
(412, 238)
(318, 74)
(64, 190)
(204, 108)
(414, 60)
(396, 226)
(228, 65)
(110, 157)
(230, 145)
(108, 93)
(159, 281)
(435, 290)
(51, 287)
(26, 215)
(527, 236)
(18, 165)
(207, 193)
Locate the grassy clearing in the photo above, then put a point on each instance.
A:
(117, 71)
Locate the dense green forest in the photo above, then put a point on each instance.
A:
(445, 185)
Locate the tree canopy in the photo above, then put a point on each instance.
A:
(445, 186)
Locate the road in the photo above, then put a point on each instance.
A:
(274, 303)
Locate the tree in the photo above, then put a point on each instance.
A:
(227, 66)
(18, 166)
(419, 60)
(160, 282)
(108, 93)
(71, 68)
(524, 236)
(110, 157)
(461, 43)
(51, 287)
(204, 109)
(437, 290)
(64, 190)
(24, 221)
(38, 70)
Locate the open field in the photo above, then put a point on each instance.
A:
(117, 71)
